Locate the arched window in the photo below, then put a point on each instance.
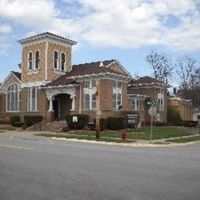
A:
(56, 66)
(30, 60)
(13, 98)
(37, 59)
(117, 95)
(62, 61)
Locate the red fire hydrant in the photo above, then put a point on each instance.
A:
(124, 135)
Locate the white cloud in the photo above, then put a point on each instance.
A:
(113, 23)
(5, 29)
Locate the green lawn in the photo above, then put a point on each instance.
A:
(184, 140)
(159, 132)
(86, 137)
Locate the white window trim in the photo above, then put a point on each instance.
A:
(33, 70)
(58, 63)
(61, 61)
(35, 60)
(29, 102)
(117, 91)
(18, 99)
(32, 61)
(90, 91)
(161, 105)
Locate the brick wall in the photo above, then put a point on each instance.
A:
(184, 108)
(27, 76)
(106, 97)
(40, 76)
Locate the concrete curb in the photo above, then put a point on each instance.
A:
(137, 144)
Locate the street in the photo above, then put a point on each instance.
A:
(38, 168)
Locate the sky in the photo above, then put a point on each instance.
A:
(126, 30)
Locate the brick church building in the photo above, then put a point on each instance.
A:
(49, 85)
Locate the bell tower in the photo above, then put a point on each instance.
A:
(45, 57)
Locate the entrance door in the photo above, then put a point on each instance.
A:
(56, 108)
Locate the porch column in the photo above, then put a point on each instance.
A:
(50, 113)
(50, 104)
(73, 102)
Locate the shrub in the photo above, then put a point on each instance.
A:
(173, 116)
(160, 124)
(103, 123)
(31, 120)
(80, 124)
(14, 119)
(114, 123)
(190, 123)
(19, 124)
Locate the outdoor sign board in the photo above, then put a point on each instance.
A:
(152, 111)
(132, 119)
(75, 119)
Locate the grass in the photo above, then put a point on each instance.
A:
(159, 132)
(6, 127)
(86, 137)
(184, 140)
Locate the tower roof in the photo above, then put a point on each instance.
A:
(47, 35)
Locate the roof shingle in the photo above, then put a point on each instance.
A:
(82, 70)
(146, 80)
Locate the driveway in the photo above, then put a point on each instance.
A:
(39, 168)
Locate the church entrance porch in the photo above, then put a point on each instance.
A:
(61, 105)
(61, 102)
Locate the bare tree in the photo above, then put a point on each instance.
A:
(188, 74)
(185, 70)
(161, 65)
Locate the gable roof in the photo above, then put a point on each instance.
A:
(87, 69)
(47, 35)
(146, 80)
(17, 74)
(62, 80)
(92, 68)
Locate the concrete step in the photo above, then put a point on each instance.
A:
(55, 126)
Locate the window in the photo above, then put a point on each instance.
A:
(56, 63)
(89, 89)
(136, 104)
(32, 99)
(62, 61)
(117, 95)
(160, 97)
(87, 101)
(30, 60)
(37, 59)
(13, 98)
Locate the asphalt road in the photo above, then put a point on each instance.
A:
(34, 168)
